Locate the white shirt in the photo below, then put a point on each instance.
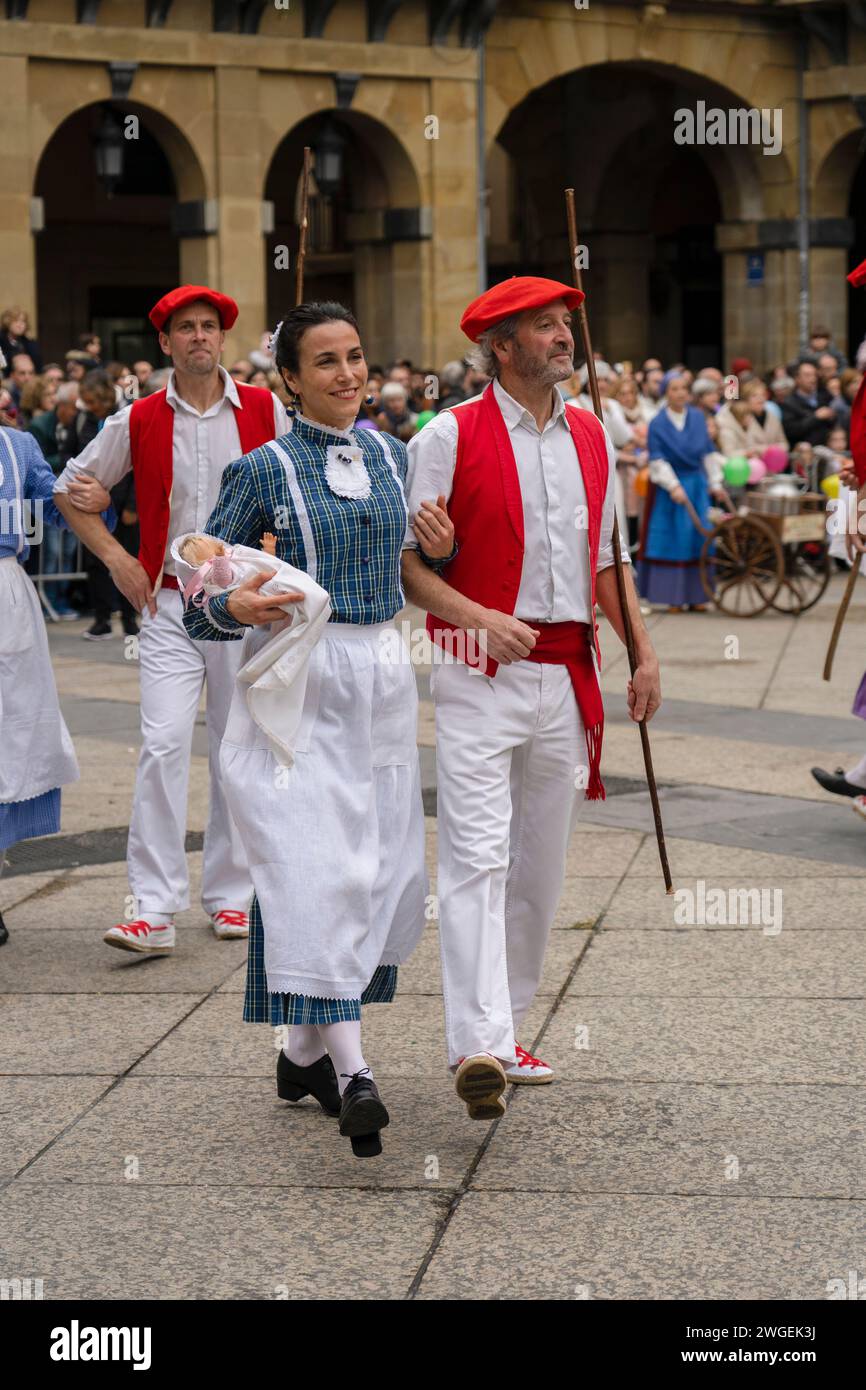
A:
(555, 583)
(203, 445)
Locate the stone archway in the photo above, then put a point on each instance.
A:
(104, 256)
(648, 208)
(367, 236)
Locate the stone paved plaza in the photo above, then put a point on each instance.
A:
(703, 1138)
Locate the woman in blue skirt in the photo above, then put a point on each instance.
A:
(683, 464)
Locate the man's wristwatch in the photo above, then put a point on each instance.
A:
(438, 564)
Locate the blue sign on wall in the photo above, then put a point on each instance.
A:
(755, 268)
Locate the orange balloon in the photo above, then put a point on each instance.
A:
(641, 482)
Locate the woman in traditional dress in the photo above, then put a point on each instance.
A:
(683, 465)
(335, 842)
(36, 753)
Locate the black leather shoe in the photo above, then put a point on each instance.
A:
(836, 782)
(362, 1115)
(4, 932)
(318, 1080)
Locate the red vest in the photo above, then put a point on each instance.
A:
(151, 440)
(486, 508)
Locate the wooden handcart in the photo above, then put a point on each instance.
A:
(768, 552)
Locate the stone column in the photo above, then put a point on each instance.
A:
(760, 320)
(239, 269)
(453, 253)
(17, 252)
(828, 269)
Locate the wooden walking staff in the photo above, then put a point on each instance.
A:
(841, 615)
(617, 551)
(302, 239)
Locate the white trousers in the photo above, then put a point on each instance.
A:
(508, 751)
(173, 669)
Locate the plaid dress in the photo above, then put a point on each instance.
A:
(353, 551)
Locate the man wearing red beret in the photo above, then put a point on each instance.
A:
(177, 443)
(529, 484)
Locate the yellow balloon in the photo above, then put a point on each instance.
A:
(830, 485)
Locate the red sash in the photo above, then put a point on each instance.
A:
(570, 645)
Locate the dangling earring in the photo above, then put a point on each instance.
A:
(368, 400)
(292, 408)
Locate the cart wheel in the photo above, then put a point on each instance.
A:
(807, 574)
(742, 566)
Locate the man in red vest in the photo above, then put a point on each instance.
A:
(529, 484)
(177, 443)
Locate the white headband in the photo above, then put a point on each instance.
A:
(272, 341)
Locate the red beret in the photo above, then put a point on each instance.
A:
(858, 275)
(512, 297)
(189, 294)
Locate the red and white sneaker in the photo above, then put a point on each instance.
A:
(230, 924)
(480, 1081)
(142, 936)
(528, 1070)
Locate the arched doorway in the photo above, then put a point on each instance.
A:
(366, 234)
(647, 208)
(108, 248)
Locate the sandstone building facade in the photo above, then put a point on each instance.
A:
(147, 142)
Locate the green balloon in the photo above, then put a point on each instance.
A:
(736, 470)
(424, 418)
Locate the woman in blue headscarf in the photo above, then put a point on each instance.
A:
(683, 464)
(36, 753)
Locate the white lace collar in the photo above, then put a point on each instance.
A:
(347, 435)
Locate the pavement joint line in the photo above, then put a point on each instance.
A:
(465, 1184)
(118, 1078)
(747, 1084)
(597, 1194)
(792, 627)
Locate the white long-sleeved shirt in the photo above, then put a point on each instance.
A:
(204, 443)
(663, 473)
(555, 583)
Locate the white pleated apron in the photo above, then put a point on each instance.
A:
(36, 753)
(336, 842)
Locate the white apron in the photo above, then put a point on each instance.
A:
(36, 753)
(336, 842)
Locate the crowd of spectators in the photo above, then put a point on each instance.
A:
(803, 405)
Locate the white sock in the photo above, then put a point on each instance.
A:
(857, 774)
(343, 1041)
(156, 919)
(304, 1046)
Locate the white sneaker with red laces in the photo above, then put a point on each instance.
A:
(480, 1082)
(230, 923)
(528, 1070)
(147, 938)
